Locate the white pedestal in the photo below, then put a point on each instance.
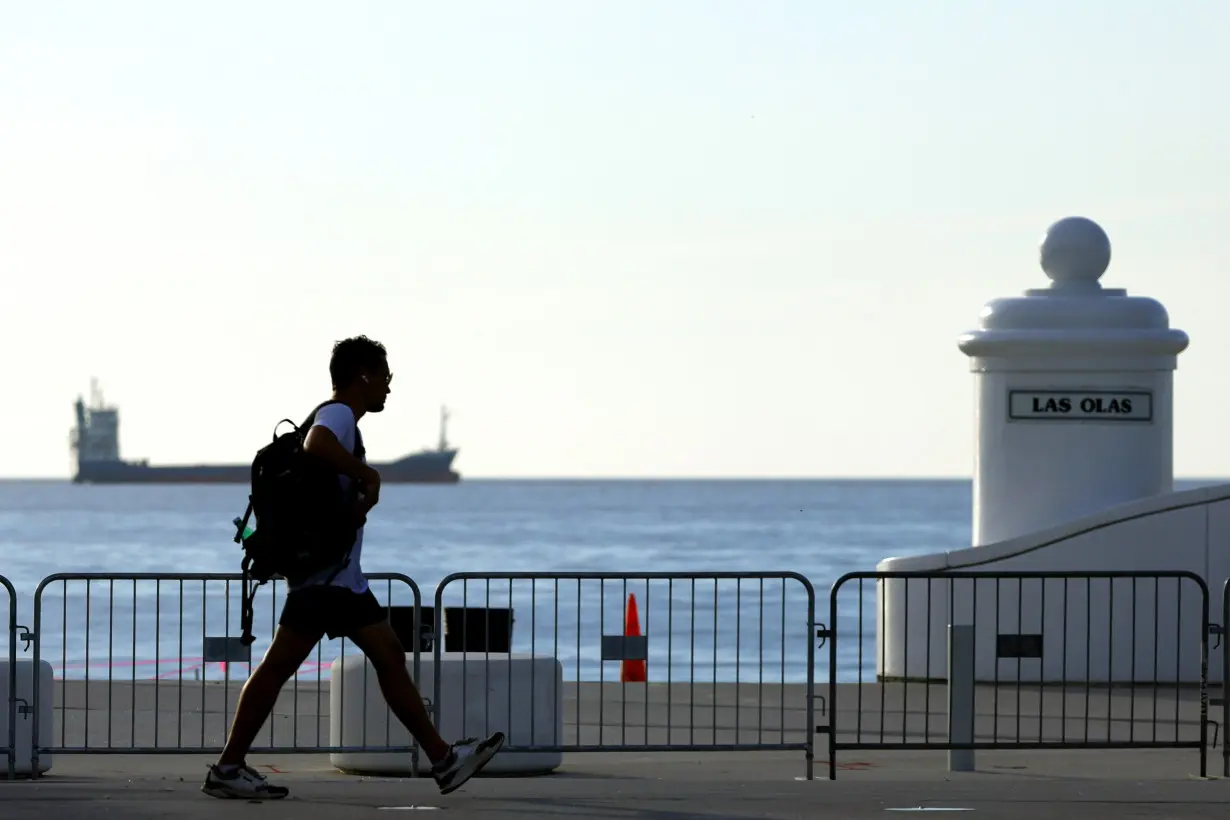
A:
(1074, 418)
(25, 713)
(519, 694)
(1074, 394)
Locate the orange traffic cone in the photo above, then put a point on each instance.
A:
(632, 671)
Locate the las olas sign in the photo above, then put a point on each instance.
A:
(1080, 405)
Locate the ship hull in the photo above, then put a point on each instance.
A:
(95, 440)
(428, 467)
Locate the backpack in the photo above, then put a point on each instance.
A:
(304, 522)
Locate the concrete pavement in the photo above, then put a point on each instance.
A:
(1055, 784)
(1058, 785)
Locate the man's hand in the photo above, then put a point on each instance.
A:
(358, 510)
(369, 486)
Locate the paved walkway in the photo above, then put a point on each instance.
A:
(1056, 785)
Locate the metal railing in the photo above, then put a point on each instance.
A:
(1019, 655)
(9, 702)
(706, 642)
(144, 665)
(1219, 630)
(1026, 660)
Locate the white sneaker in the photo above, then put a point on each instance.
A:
(243, 783)
(464, 760)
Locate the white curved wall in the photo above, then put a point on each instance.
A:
(1159, 640)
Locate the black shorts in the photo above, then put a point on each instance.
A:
(333, 610)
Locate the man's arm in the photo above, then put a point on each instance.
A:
(322, 443)
(333, 423)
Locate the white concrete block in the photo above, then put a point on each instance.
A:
(24, 719)
(518, 694)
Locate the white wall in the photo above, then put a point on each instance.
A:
(1160, 640)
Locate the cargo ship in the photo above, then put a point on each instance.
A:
(96, 442)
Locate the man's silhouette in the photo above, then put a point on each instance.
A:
(343, 606)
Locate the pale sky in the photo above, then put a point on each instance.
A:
(659, 238)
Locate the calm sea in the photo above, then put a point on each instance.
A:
(749, 630)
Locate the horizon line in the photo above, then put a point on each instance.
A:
(620, 478)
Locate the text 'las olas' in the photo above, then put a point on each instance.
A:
(1065, 405)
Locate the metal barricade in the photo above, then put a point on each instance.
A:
(9, 703)
(727, 660)
(1019, 656)
(1220, 631)
(153, 663)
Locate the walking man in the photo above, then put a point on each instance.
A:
(339, 603)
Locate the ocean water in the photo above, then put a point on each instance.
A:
(792, 533)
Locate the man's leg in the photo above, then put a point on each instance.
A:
(287, 652)
(452, 765)
(379, 643)
(230, 777)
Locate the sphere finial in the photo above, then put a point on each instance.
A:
(1075, 250)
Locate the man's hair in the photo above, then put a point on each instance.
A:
(351, 357)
